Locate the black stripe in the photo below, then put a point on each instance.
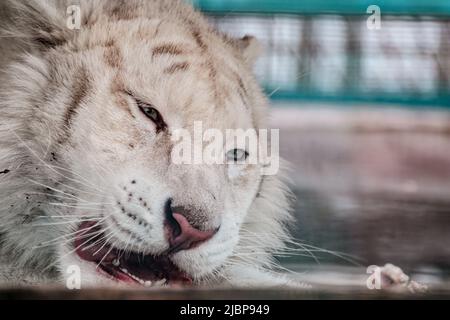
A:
(80, 88)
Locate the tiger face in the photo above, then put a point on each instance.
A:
(112, 97)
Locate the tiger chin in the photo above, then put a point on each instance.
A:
(86, 122)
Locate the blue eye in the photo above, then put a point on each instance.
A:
(150, 112)
(237, 155)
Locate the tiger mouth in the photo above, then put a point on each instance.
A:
(130, 267)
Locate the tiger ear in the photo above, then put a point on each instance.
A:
(41, 24)
(250, 48)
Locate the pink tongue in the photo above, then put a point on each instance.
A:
(85, 247)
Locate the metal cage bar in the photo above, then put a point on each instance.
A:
(324, 51)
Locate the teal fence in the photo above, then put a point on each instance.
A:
(343, 7)
(324, 50)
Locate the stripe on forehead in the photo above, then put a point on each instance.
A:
(212, 72)
(79, 91)
(167, 48)
(176, 67)
(123, 10)
(80, 88)
(118, 90)
(113, 56)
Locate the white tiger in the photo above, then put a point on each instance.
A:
(86, 179)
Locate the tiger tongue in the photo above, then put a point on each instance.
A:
(125, 267)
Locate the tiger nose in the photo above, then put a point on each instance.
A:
(181, 234)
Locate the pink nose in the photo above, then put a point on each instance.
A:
(182, 235)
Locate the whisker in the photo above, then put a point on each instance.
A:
(110, 235)
(106, 254)
(99, 240)
(89, 183)
(70, 252)
(37, 156)
(75, 233)
(56, 190)
(56, 204)
(63, 222)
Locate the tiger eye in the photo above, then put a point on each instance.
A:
(237, 155)
(150, 112)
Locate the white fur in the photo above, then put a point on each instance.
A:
(96, 163)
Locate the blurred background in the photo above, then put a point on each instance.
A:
(360, 91)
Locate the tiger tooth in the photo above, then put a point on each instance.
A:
(116, 262)
(133, 276)
(148, 283)
(160, 282)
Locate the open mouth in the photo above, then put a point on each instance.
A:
(129, 267)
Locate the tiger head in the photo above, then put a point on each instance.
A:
(98, 118)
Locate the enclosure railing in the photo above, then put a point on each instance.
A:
(393, 51)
